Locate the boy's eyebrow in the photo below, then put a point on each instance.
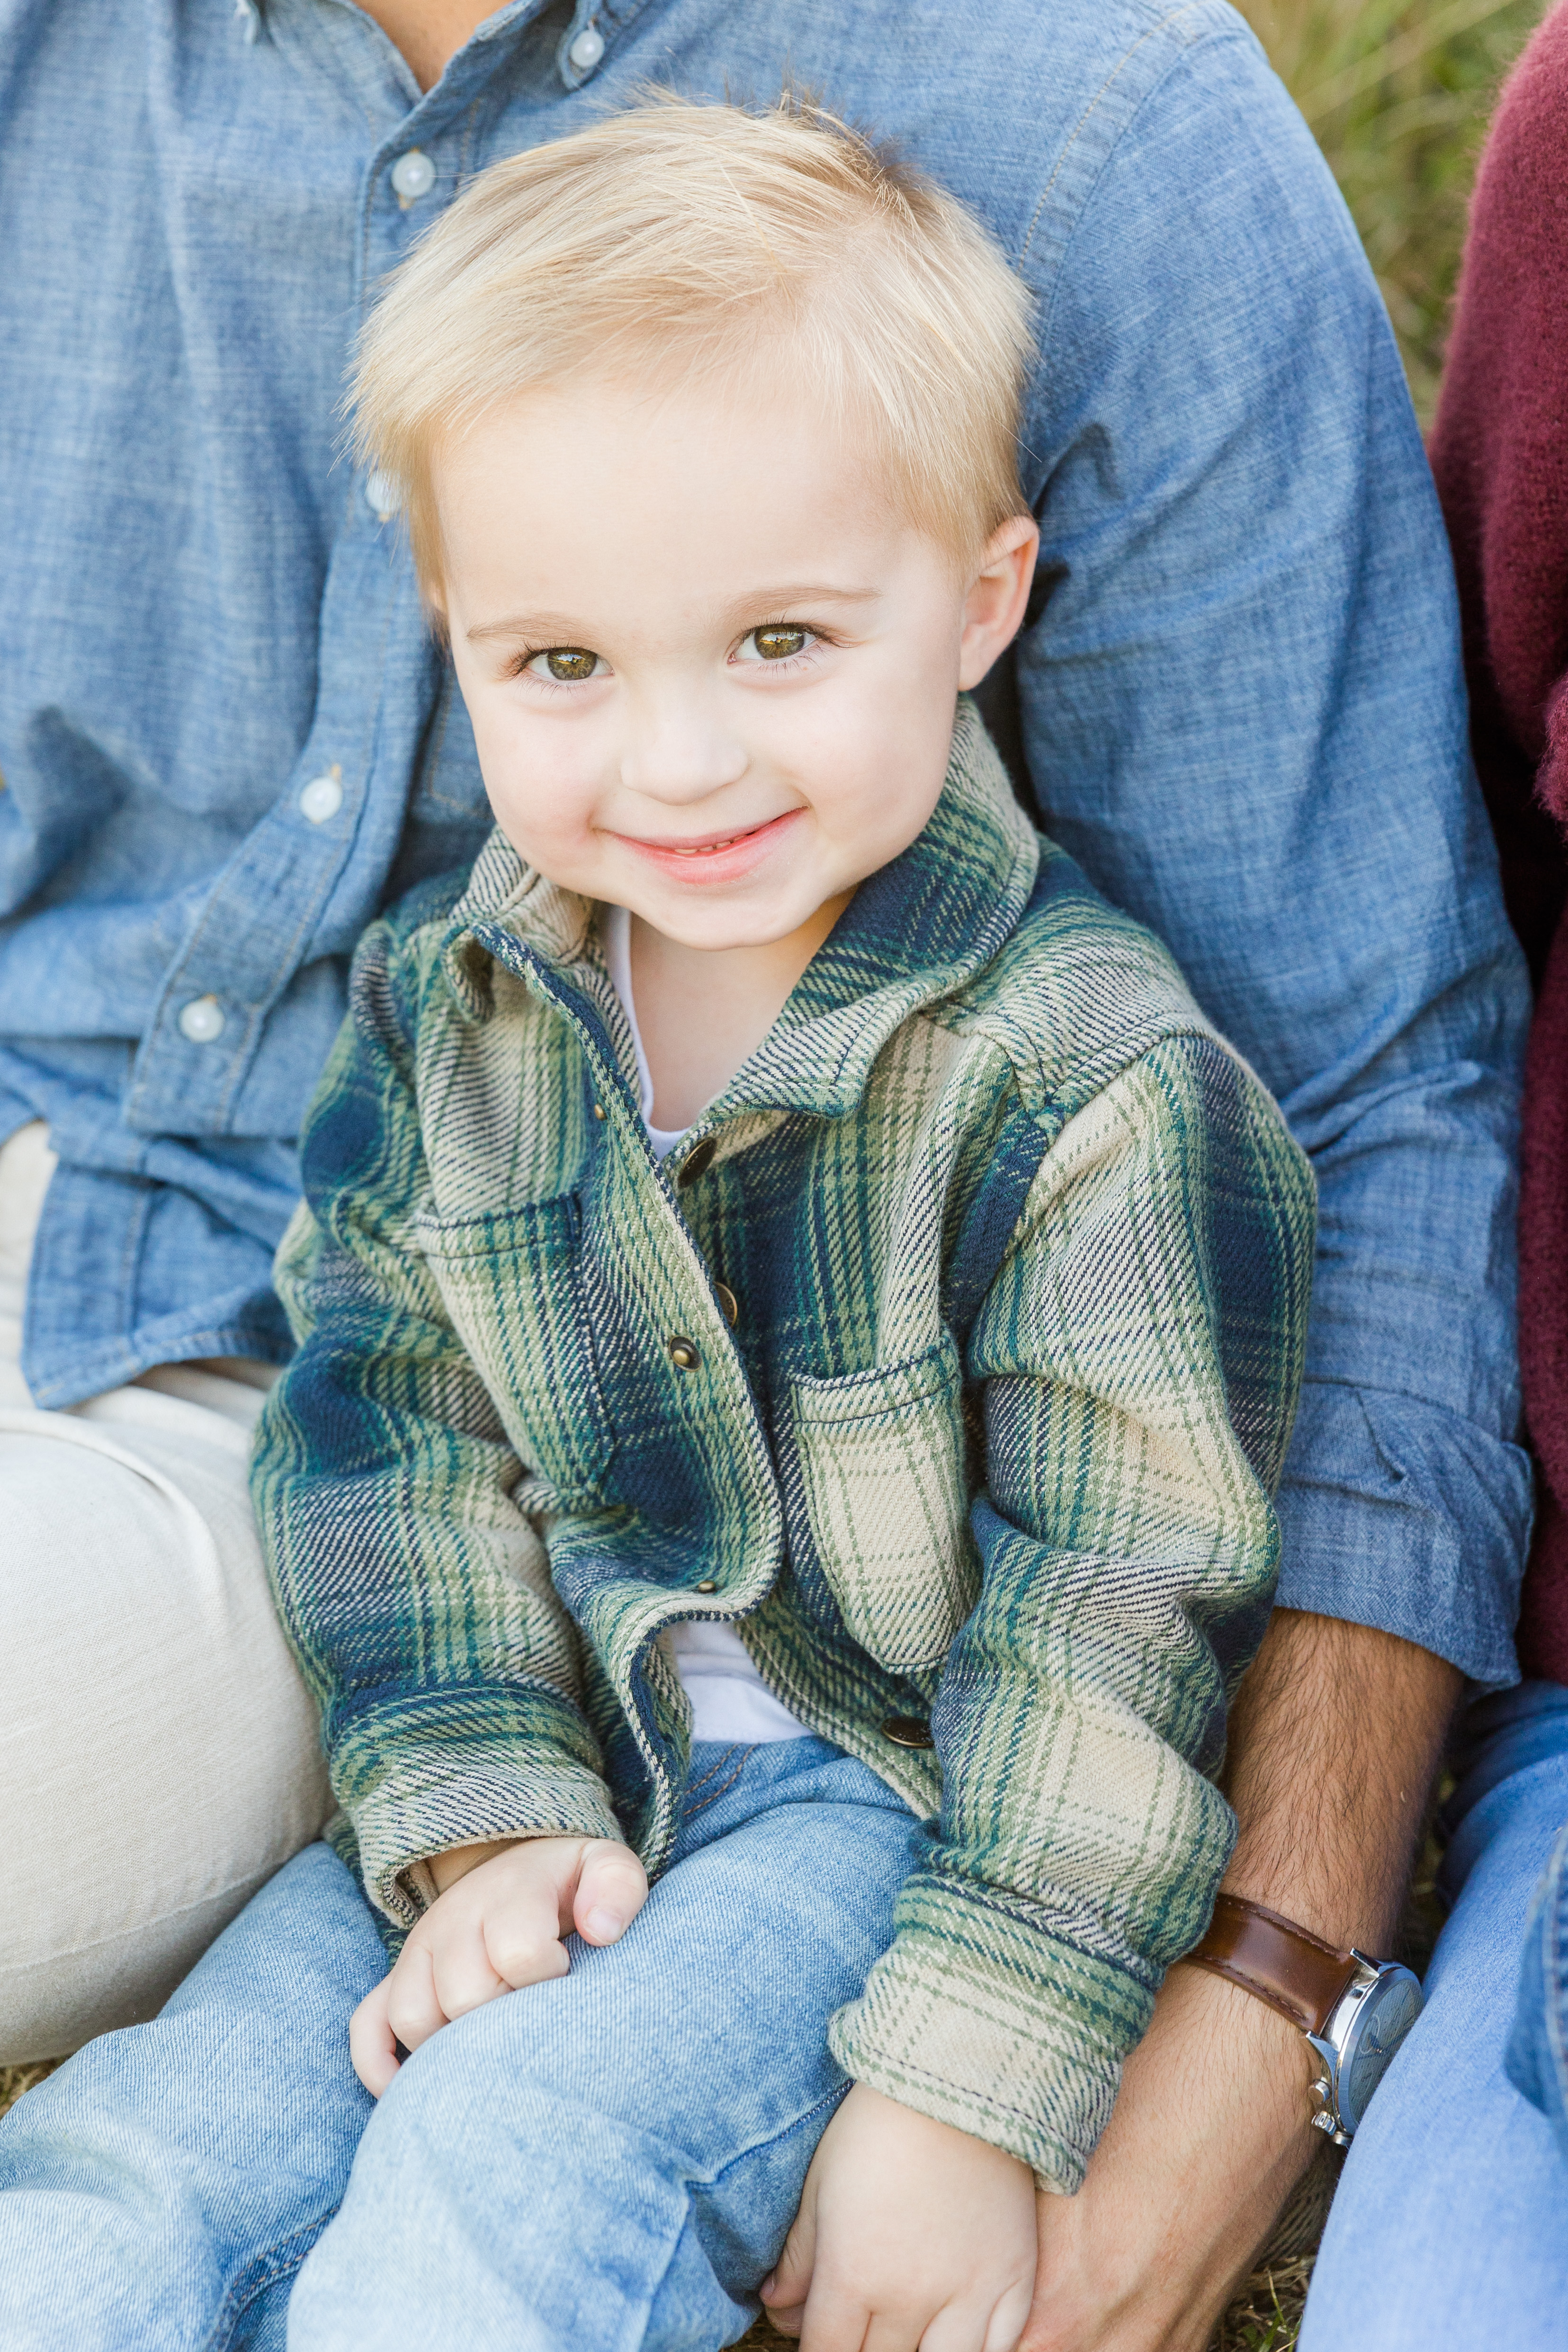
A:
(567, 631)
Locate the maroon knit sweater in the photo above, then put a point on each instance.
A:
(1499, 450)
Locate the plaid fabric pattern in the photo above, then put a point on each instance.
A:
(1023, 1253)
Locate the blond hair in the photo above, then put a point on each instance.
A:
(709, 241)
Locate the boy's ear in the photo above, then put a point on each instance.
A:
(998, 592)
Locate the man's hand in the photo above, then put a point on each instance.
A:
(910, 2233)
(499, 1923)
(1335, 1738)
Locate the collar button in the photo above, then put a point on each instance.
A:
(697, 1161)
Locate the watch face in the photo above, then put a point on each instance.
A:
(1378, 2027)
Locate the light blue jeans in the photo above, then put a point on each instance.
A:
(1449, 2233)
(610, 2160)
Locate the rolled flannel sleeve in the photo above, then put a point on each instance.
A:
(1243, 712)
(415, 1593)
(1141, 1350)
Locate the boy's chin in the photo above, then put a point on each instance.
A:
(728, 921)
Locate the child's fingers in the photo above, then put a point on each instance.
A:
(967, 2327)
(960, 2327)
(787, 2284)
(841, 2323)
(611, 1888)
(372, 2046)
(413, 2010)
(522, 1941)
(464, 1977)
(1009, 2319)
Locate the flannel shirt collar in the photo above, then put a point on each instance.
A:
(918, 931)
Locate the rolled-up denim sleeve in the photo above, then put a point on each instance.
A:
(1243, 710)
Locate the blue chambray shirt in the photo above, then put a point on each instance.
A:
(227, 741)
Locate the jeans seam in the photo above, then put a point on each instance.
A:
(1552, 1969)
(742, 2156)
(690, 1812)
(723, 1757)
(262, 2272)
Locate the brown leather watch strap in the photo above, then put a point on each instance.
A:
(1291, 1969)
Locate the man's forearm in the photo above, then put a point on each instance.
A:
(1335, 1738)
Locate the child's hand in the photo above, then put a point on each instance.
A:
(498, 1925)
(910, 2233)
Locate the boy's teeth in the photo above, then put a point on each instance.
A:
(708, 848)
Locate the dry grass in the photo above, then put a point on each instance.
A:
(1398, 93)
(14, 2080)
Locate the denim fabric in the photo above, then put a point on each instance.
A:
(611, 2160)
(1239, 695)
(1538, 2045)
(1450, 2229)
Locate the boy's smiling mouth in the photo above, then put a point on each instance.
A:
(714, 857)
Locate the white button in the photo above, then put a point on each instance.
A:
(382, 496)
(322, 798)
(587, 49)
(202, 1020)
(413, 174)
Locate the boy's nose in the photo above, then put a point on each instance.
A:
(676, 755)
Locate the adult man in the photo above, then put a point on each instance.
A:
(227, 741)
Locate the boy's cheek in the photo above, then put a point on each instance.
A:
(543, 805)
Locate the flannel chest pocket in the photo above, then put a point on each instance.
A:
(512, 1284)
(881, 1461)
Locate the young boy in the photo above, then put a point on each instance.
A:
(799, 1323)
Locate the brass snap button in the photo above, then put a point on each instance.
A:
(707, 1585)
(599, 1111)
(730, 1302)
(908, 1731)
(683, 1352)
(697, 1161)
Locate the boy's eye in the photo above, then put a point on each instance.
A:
(569, 664)
(776, 644)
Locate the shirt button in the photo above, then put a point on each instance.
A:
(413, 175)
(202, 1020)
(697, 1161)
(683, 1352)
(587, 49)
(382, 496)
(322, 798)
(730, 1302)
(908, 1731)
(708, 1584)
(598, 1110)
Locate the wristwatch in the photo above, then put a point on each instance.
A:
(1355, 2011)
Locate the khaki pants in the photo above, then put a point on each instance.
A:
(159, 1756)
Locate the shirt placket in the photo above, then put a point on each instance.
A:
(290, 891)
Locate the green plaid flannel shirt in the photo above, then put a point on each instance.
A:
(1022, 1254)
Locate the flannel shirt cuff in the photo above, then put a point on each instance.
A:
(979, 2019)
(418, 1776)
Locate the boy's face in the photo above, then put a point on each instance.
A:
(711, 672)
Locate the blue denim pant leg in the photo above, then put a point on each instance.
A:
(162, 2188)
(613, 2159)
(1450, 2227)
(1538, 2045)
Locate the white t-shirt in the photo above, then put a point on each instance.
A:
(730, 1701)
